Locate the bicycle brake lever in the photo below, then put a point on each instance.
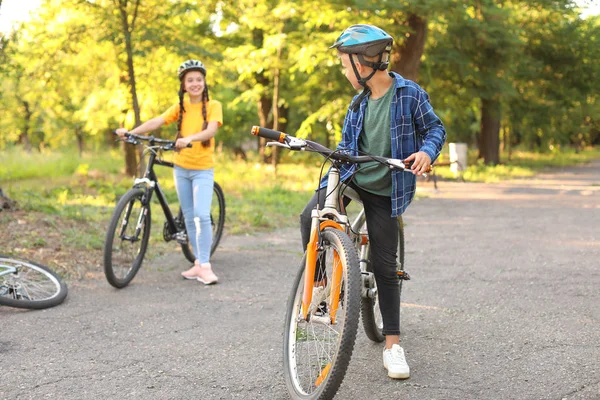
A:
(277, 144)
(397, 164)
(291, 143)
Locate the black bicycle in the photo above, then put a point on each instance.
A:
(129, 228)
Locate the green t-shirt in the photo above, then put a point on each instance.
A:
(375, 139)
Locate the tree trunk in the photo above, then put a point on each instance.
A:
(283, 118)
(265, 103)
(276, 121)
(130, 154)
(24, 136)
(406, 56)
(80, 143)
(489, 142)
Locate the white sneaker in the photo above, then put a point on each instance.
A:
(395, 363)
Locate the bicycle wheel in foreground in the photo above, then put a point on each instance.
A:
(217, 221)
(371, 314)
(317, 352)
(25, 284)
(126, 239)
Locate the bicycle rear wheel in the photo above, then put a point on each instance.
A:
(217, 216)
(317, 352)
(217, 221)
(25, 284)
(371, 314)
(127, 238)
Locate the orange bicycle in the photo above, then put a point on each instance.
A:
(333, 285)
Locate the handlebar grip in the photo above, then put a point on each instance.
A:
(408, 164)
(268, 133)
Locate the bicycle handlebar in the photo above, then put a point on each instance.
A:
(135, 139)
(294, 143)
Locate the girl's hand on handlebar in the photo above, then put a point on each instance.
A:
(121, 132)
(182, 143)
(421, 162)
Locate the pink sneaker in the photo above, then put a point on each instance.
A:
(206, 275)
(192, 273)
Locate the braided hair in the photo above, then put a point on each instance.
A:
(205, 99)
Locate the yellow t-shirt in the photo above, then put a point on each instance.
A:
(197, 156)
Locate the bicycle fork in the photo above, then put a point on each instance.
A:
(138, 226)
(313, 249)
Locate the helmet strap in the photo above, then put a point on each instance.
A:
(376, 65)
(363, 82)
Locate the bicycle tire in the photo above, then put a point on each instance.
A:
(300, 334)
(113, 265)
(32, 286)
(371, 315)
(217, 220)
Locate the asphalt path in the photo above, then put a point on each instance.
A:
(504, 303)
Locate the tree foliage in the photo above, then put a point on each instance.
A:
(499, 73)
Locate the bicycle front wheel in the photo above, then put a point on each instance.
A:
(371, 314)
(217, 222)
(126, 239)
(317, 352)
(25, 284)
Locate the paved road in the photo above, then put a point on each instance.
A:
(504, 304)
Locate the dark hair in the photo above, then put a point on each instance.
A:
(205, 99)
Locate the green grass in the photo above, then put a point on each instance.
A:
(19, 165)
(85, 189)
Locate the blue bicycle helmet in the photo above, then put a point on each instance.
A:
(368, 40)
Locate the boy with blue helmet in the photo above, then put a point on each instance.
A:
(391, 117)
(365, 40)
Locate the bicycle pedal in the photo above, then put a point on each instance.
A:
(403, 275)
(181, 238)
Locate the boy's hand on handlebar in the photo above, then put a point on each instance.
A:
(183, 143)
(420, 162)
(121, 132)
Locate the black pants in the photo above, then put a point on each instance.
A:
(383, 238)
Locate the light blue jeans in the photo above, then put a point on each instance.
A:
(195, 192)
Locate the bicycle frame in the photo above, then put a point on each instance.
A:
(7, 270)
(151, 185)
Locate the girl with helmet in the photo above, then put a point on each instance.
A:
(391, 117)
(198, 119)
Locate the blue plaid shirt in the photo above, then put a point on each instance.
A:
(414, 127)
